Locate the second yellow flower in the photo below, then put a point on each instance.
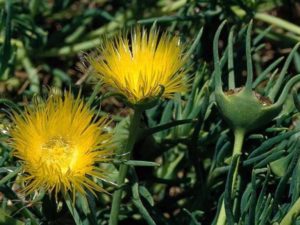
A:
(137, 68)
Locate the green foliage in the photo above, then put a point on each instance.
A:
(182, 166)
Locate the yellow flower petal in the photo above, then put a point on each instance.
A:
(59, 145)
(138, 68)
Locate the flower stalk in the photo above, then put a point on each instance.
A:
(123, 169)
(239, 136)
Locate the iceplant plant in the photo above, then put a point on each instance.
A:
(243, 108)
(142, 70)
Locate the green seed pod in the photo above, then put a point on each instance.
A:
(243, 108)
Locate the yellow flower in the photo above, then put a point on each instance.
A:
(60, 145)
(138, 68)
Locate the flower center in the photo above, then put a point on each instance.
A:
(58, 153)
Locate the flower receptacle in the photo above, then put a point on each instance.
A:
(245, 110)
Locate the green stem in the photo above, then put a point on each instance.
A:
(267, 18)
(237, 150)
(90, 40)
(133, 133)
(72, 49)
(31, 71)
(278, 22)
(292, 214)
